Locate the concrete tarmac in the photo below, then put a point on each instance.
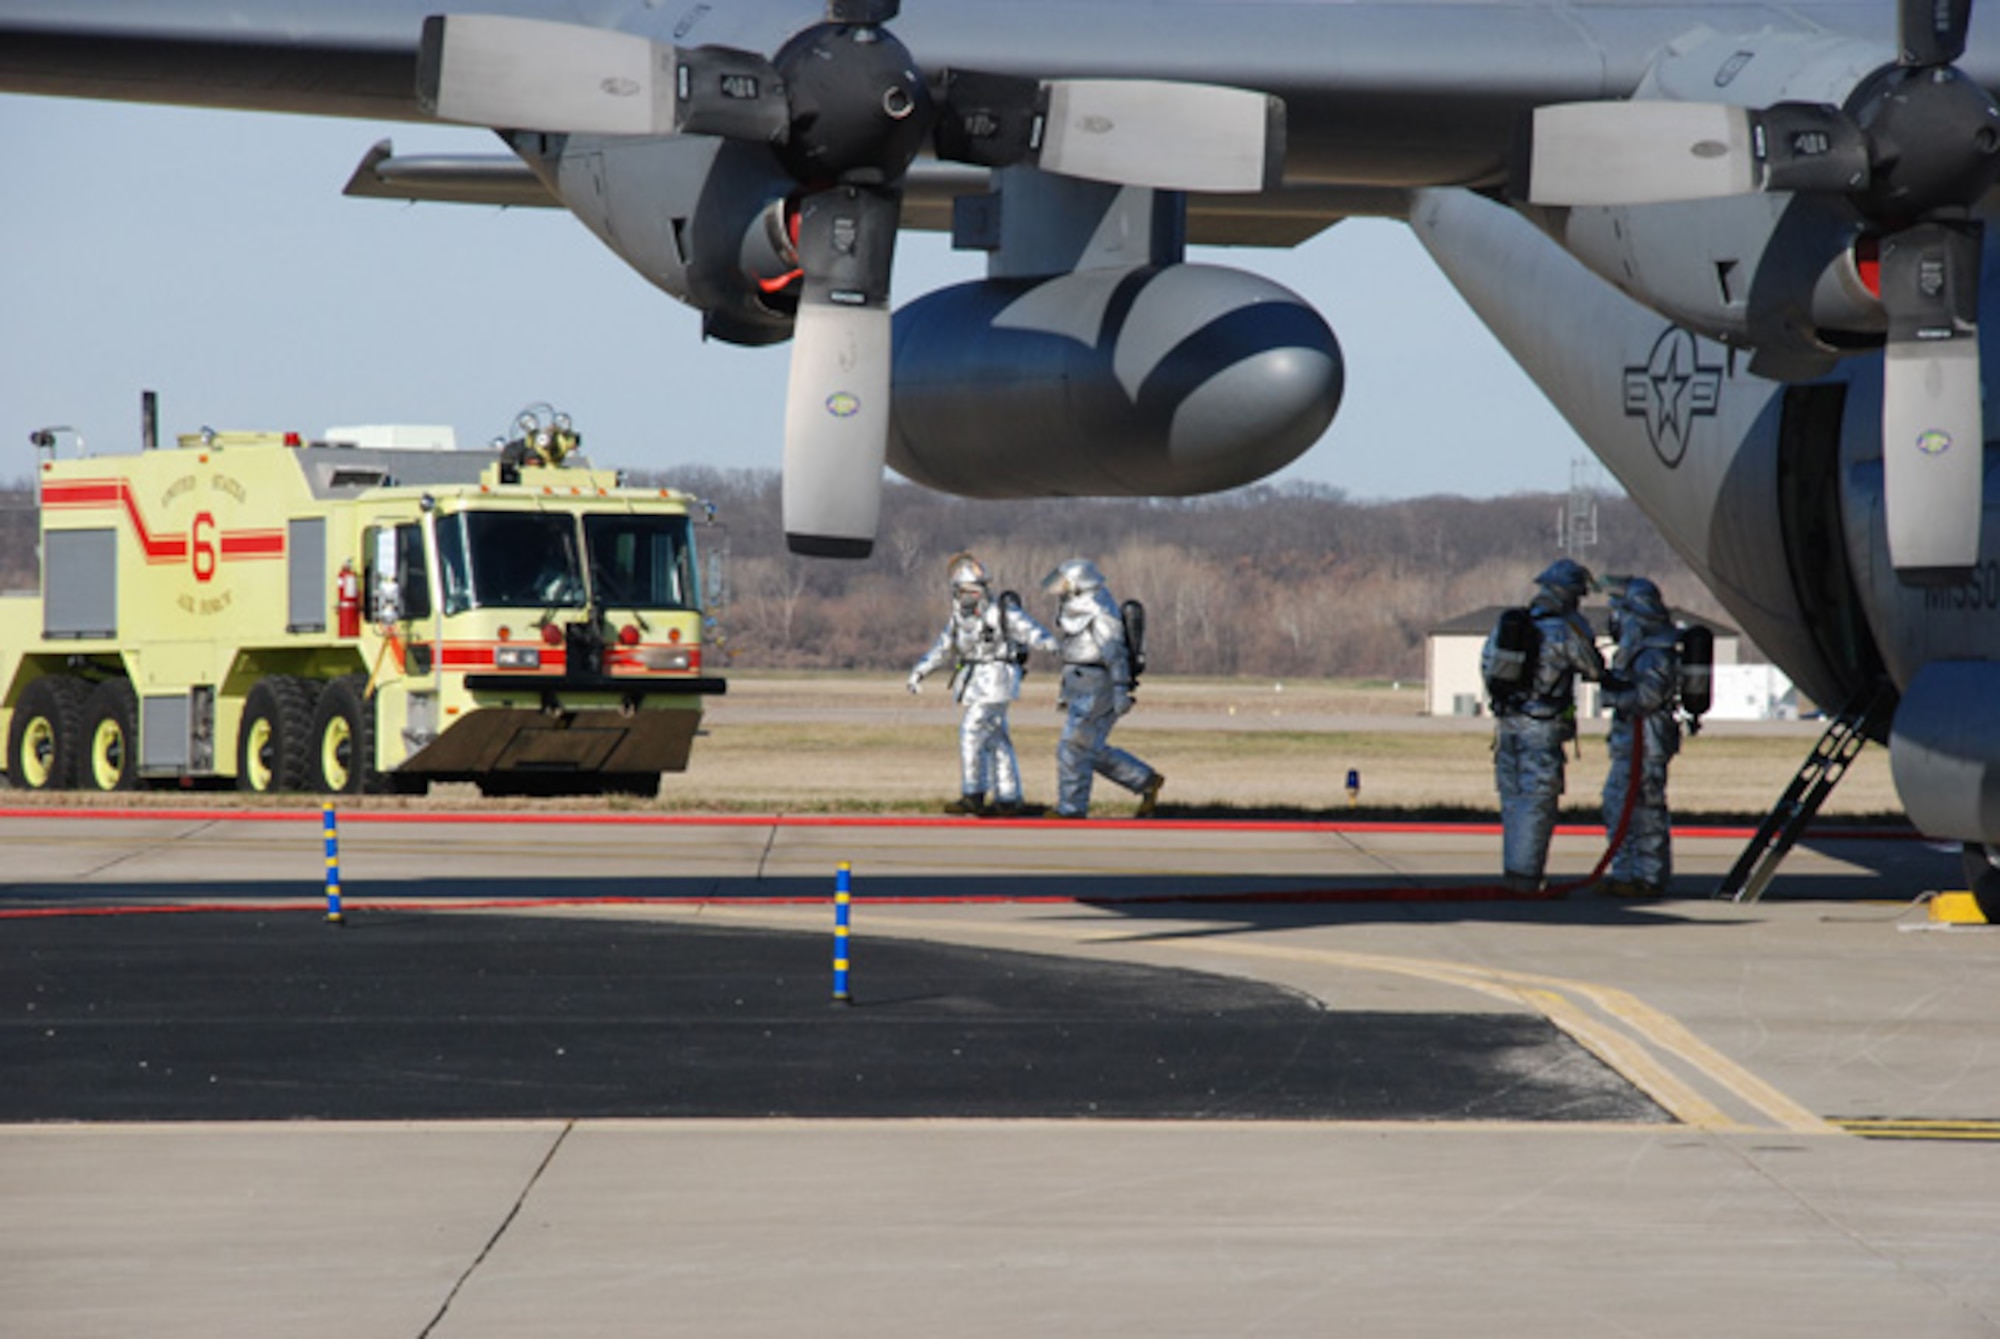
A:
(1788, 1129)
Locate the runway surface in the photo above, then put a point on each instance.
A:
(587, 1076)
(435, 1016)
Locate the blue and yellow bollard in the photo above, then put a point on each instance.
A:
(332, 831)
(843, 897)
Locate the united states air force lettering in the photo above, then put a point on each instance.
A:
(1978, 593)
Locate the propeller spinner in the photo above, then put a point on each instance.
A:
(1914, 148)
(845, 108)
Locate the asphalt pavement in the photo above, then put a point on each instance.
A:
(587, 1076)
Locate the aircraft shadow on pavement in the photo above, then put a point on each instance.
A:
(260, 1010)
(272, 1014)
(1880, 869)
(1150, 896)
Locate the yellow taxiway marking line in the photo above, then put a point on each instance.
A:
(1981, 1131)
(1631, 1048)
(1554, 998)
(1631, 1058)
(1671, 1033)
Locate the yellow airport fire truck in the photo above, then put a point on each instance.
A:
(366, 613)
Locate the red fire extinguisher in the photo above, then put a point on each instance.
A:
(348, 600)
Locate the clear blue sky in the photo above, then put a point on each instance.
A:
(210, 256)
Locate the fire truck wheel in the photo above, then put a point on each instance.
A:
(45, 741)
(343, 741)
(110, 759)
(271, 744)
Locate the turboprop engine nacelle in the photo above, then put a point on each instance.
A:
(1780, 274)
(1155, 381)
(703, 218)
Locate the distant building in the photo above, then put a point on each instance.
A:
(1753, 693)
(1453, 685)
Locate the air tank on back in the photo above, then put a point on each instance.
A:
(1155, 381)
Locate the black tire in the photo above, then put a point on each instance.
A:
(271, 744)
(341, 757)
(109, 754)
(45, 739)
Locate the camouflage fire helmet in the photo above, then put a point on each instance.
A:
(1566, 579)
(1640, 600)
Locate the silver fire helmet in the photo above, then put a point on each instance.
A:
(966, 570)
(1073, 576)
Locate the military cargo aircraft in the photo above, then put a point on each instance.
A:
(1740, 246)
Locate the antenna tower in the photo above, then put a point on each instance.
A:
(1576, 519)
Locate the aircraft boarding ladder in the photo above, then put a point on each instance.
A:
(1787, 821)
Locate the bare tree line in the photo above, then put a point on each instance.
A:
(1292, 580)
(1285, 580)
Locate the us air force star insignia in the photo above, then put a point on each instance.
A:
(843, 404)
(1671, 391)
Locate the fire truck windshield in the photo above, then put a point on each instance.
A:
(640, 562)
(509, 560)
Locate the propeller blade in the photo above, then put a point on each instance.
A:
(1809, 146)
(1166, 136)
(988, 120)
(1130, 132)
(1933, 431)
(531, 74)
(1931, 32)
(730, 93)
(1641, 153)
(837, 401)
(1638, 153)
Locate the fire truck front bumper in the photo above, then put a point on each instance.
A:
(549, 726)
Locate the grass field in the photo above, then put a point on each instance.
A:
(847, 742)
(858, 743)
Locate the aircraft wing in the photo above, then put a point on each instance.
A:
(336, 59)
(461, 179)
(1279, 218)
(1399, 94)
(757, 158)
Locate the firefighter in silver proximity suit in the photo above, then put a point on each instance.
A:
(986, 642)
(1096, 689)
(1529, 735)
(1642, 690)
